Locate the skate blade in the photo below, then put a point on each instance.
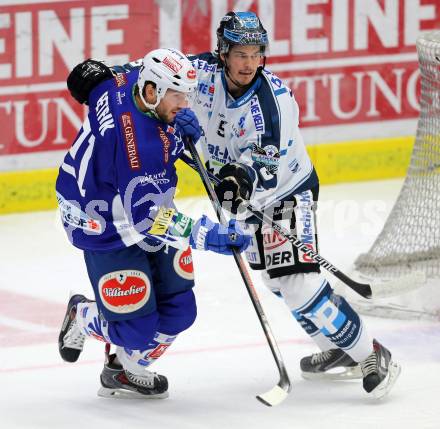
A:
(347, 373)
(387, 384)
(106, 392)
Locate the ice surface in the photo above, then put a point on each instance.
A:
(216, 368)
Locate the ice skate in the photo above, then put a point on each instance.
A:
(119, 383)
(71, 339)
(379, 371)
(332, 364)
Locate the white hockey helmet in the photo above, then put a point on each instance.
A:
(167, 68)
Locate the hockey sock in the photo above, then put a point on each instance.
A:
(87, 317)
(337, 321)
(326, 317)
(135, 361)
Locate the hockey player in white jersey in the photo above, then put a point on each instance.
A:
(253, 144)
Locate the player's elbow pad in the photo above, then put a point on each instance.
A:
(86, 76)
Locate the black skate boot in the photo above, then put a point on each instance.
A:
(380, 372)
(71, 339)
(332, 364)
(119, 383)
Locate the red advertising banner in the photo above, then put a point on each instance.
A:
(40, 43)
(347, 61)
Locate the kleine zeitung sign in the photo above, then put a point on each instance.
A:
(348, 62)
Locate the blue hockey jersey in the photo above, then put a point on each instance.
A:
(118, 171)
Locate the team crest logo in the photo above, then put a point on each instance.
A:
(267, 156)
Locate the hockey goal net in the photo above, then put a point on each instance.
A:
(410, 239)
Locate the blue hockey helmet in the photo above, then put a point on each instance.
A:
(241, 28)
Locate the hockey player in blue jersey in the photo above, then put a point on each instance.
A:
(115, 191)
(253, 144)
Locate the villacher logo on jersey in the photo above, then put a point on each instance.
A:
(110, 292)
(124, 291)
(183, 264)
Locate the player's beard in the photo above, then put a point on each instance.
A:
(165, 116)
(240, 81)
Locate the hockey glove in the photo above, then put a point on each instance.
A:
(236, 185)
(84, 77)
(207, 235)
(186, 122)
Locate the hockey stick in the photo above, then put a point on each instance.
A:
(362, 289)
(279, 392)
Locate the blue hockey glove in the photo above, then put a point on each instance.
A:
(186, 122)
(207, 235)
(236, 185)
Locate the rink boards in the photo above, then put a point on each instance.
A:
(28, 190)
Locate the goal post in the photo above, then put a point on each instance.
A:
(410, 239)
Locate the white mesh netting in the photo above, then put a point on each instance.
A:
(410, 239)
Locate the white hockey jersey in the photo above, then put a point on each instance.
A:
(259, 129)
